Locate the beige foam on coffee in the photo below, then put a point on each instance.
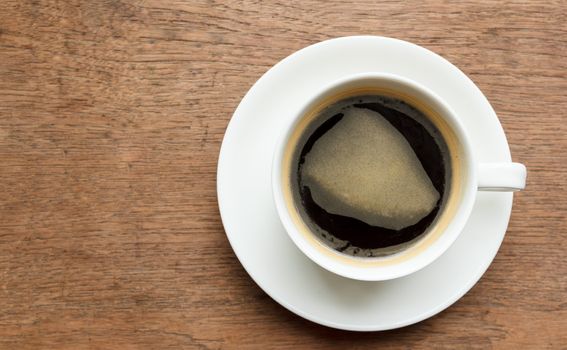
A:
(364, 168)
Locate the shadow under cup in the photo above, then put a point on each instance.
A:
(459, 165)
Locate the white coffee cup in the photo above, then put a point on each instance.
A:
(469, 176)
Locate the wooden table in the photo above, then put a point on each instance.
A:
(111, 118)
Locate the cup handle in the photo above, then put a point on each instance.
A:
(503, 177)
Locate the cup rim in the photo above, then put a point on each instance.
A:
(377, 273)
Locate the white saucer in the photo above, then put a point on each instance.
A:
(258, 238)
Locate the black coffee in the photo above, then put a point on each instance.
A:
(350, 142)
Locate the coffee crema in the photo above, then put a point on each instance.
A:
(370, 175)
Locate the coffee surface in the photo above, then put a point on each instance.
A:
(371, 174)
(365, 169)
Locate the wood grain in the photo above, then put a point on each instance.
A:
(111, 118)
